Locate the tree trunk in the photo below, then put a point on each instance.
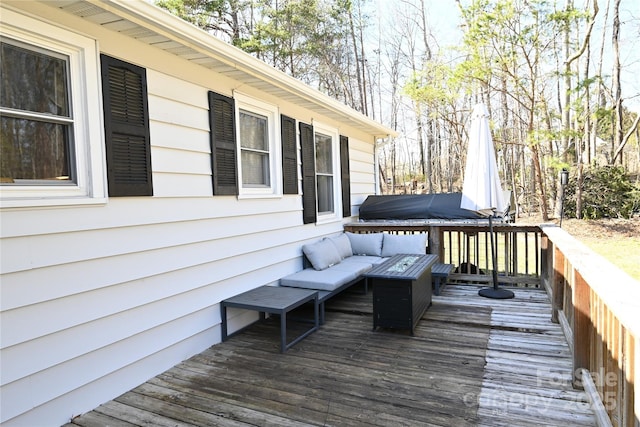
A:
(585, 140)
(616, 90)
(538, 176)
(365, 102)
(600, 99)
(566, 110)
(356, 53)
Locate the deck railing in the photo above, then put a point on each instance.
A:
(596, 304)
(598, 307)
(467, 247)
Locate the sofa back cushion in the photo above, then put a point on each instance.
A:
(322, 254)
(393, 244)
(343, 245)
(366, 244)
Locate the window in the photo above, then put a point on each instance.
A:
(259, 162)
(51, 150)
(36, 123)
(325, 173)
(254, 150)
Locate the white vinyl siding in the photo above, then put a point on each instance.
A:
(179, 128)
(362, 172)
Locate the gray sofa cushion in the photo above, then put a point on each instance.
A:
(343, 245)
(393, 244)
(352, 264)
(366, 259)
(366, 244)
(322, 254)
(325, 280)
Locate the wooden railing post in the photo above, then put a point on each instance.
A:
(581, 327)
(557, 284)
(435, 242)
(546, 261)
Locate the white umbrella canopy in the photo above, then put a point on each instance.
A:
(481, 190)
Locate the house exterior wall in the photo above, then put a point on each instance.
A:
(97, 298)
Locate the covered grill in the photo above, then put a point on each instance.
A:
(402, 207)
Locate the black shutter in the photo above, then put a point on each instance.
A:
(307, 148)
(223, 144)
(289, 155)
(345, 176)
(126, 125)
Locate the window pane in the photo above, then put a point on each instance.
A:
(325, 194)
(255, 169)
(324, 163)
(253, 131)
(33, 150)
(33, 81)
(254, 145)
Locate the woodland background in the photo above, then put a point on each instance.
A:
(560, 79)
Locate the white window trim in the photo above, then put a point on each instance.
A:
(253, 105)
(86, 104)
(336, 215)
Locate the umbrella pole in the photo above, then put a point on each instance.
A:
(494, 292)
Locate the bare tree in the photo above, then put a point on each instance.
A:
(616, 88)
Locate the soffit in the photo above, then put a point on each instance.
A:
(156, 27)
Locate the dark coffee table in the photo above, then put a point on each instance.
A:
(275, 300)
(401, 290)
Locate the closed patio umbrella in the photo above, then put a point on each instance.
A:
(481, 190)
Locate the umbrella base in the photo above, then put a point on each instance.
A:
(495, 293)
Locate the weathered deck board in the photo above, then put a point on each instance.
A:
(527, 377)
(472, 361)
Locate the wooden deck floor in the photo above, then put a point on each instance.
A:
(472, 361)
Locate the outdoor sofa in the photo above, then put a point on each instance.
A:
(336, 263)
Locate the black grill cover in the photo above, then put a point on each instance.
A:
(415, 206)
